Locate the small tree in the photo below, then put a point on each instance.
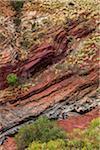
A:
(12, 79)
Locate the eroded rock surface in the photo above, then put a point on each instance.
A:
(58, 76)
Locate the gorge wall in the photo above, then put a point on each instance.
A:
(58, 76)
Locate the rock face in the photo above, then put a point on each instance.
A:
(58, 78)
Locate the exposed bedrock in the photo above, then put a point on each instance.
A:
(60, 85)
(48, 53)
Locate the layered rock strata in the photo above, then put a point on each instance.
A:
(58, 78)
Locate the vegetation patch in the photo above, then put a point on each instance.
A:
(46, 135)
(17, 5)
(43, 130)
(12, 79)
(87, 139)
(58, 144)
(17, 21)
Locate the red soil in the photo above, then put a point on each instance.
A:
(78, 121)
(9, 144)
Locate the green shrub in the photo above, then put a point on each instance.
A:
(58, 144)
(17, 5)
(79, 144)
(93, 132)
(42, 130)
(37, 146)
(87, 139)
(25, 43)
(83, 72)
(12, 79)
(95, 123)
(17, 21)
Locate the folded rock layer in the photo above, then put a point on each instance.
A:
(59, 77)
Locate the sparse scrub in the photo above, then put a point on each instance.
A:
(17, 21)
(17, 5)
(83, 72)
